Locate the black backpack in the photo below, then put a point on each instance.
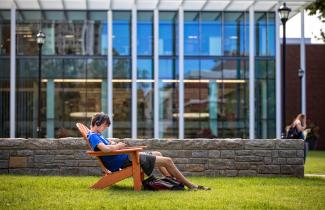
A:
(293, 133)
(165, 183)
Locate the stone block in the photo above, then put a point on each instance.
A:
(197, 160)
(269, 169)
(227, 154)
(242, 165)
(168, 144)
(275, 153)
(229, 173)
(221, 164)
(263, 153)
(69, 171)
(214, 153)
(200, 154)
(290, 144)
(231, 144)
(24, 153)
(300, 153)
(63, 157)
(293, 170)
(94, 171)
(195, 167)
(295, 161)
(268, 160)
(81, 155)
(195, 144)
(249, 158)
(287, 153)
(243, 152)
(4, 155)
(4, 171)
(259, 144)
(71, 163)
(91, 163)
(51, 172)
(17, 162)
(4, 164)
(211, 173)
(247, 173)
(24, 171)
(43, 158)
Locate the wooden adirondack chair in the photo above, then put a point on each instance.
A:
(109, 177)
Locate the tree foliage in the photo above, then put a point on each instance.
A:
(318, 6)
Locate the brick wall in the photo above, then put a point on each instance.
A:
(199, 157)
(315, 86)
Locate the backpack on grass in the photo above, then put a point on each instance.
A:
(165, 183)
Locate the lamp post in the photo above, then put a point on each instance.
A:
(284, 15)
(301, 73)
(40, 39)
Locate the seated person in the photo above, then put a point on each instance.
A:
(148, 160)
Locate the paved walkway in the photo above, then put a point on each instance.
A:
(315, 175)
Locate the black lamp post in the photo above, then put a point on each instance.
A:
(301, 73)
(40, 39)
(284, 15)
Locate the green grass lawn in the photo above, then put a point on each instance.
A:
(53, 192)
(31, 192)
(315, 163)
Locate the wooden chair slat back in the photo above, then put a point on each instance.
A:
(84, 130)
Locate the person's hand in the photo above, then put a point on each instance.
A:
(120, 145)
(307, 130)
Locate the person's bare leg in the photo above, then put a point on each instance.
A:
(169, 165)
(162, 169)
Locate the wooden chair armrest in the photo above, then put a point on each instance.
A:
(126, 150)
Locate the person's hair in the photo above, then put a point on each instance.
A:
(300, 117)
(99, 119)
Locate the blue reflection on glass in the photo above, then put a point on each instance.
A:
(191, 69)
(167, 69)
(145, 70)
(144, 33)
(211, 33)
(191, 33)
(234, 33)
(167, 33)
(121, 33)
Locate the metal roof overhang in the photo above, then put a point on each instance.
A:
(172, 5)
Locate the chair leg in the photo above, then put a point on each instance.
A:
(136, 172)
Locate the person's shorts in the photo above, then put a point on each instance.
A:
(147, 162)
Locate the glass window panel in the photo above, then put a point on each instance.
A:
(234, 69)
(191, 69)
(4, 38)
(191, 33)
(5, 15)
(98, 15)
(77, 15)
(4, 97)
(145, 69)
(271, 34)
(122, 122)
(122, 68)
(121, 33)
(210, 69)
(145, 33)
(29, 15)
(55, 15)
(167, 33)
(168, 109)
(211, 33)
(234, 33)
(168, 69)
(145, 96)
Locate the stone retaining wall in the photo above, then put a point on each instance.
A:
(199, 157)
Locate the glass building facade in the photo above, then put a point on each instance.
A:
(75, 72)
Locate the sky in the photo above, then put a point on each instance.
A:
(312, 27)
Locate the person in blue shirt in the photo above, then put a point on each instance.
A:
(148, 160)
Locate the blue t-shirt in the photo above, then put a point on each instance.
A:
(111, 162)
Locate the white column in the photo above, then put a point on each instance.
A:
(156, 73)
(181, 71)
(303, 63)
(12, 116)
(134, 72)
(278, 77)
(251, 73)
(110, 70)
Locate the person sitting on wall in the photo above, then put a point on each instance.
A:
(148, 160)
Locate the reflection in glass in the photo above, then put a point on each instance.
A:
(265, 34)
(191, 33)
(167, 32)
(145, 109)
(210, 33)
(4, 36)
(121, 33)
(145, 33)
(4, 97)
(122, 68)
(122, 109)
(145, 69)
(234, 34)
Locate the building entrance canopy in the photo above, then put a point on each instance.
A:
(195, 5)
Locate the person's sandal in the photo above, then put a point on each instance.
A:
(200, 187)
